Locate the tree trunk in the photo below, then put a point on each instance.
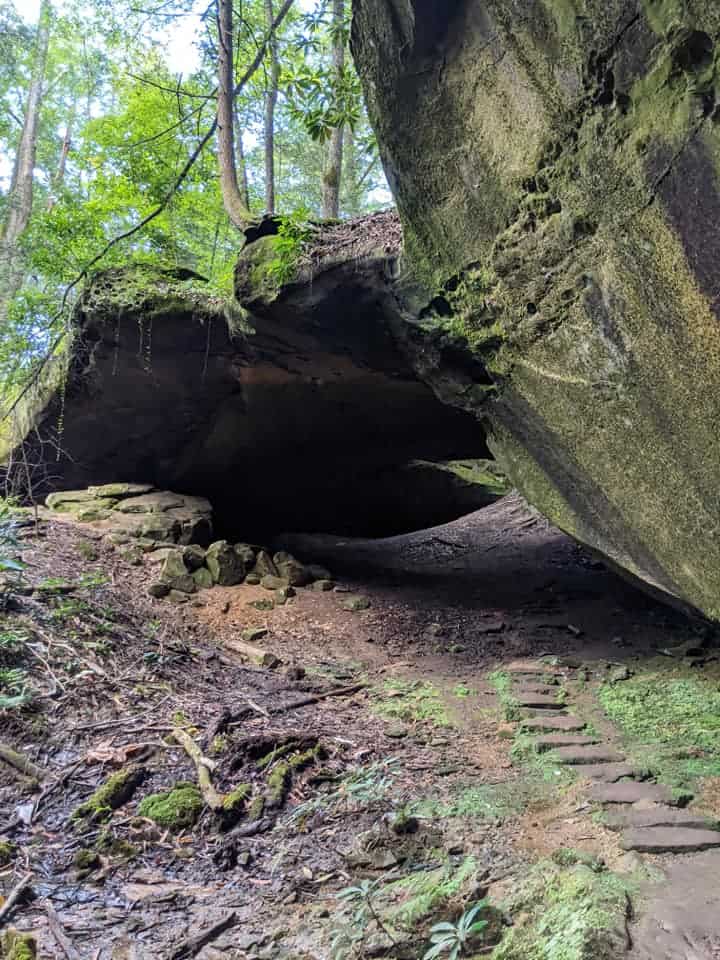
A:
(59, 177)
(333, 169)
(20, 195)
(270, 102)
(232, 199)
(241, 162)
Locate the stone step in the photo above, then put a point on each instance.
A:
(659, 817)
(553, 723)
(537, 701)
(585, 755)
(536, 688)
(554, 740)
(532, 668)
(631, 792)
(607, 772)
(669, 840)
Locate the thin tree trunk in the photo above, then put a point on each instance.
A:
(232, 199)
(332, 176)
(271, 96)
(59, 177)
(20, 195)
(241, 162)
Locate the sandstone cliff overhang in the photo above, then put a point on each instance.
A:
(291, 407)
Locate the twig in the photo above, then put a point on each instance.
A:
(59, 933)
(203, 766)
(51, 787)
(20, 762)
(193, 945)
(14, 896)
(306, 701)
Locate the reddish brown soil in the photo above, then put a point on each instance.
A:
(447, 606)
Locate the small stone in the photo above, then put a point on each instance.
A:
(173, 566)
(283, 594)
(185, 584)
(225, 564)
(296, 573)
(120, 491)
(538, 701)
(253, 579)
(264, 565)
(631, 792)
(203, 578)
(554, 740)
(269, 582)
(619, 674)
(175, 596)
(659, 816)
(262, 604)
(593, 754)
(607, 772)
(246, 554)
(356, 604)
(552, 723)
(396, 731)
(193, 557)
(323, 585)
(159, 589)
(669, 840)
(253, 634)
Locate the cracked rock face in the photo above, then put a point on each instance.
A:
(555, 165)
(296, 410)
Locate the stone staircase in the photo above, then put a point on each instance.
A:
(649, 815)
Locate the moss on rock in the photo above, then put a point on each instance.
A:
(113, 793)
(177, 809)
(7, 852)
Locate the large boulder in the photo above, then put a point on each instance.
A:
(283, 407)
(556, 167)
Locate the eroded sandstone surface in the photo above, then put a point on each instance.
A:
(555, 166)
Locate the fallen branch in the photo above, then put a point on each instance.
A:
(15, 894)
(203, 765)
(193, 945)
(20, 762)
(316, 698)
(58, 932)
(258, 655)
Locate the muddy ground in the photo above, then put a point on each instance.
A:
(378, 750)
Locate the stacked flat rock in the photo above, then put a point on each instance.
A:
(137, 511)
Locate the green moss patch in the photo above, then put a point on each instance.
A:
(565, 913)
(671, 720)
(408, 901)
(116, 791)
(18, 946)
(496, 801)
(411, 701)
(178, 809)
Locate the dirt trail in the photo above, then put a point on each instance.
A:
(433, 737)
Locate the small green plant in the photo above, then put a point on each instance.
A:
(293, 234)
(502, 682)
(454, 938)
(360, 899)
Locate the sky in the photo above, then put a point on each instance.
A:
(182, 58)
